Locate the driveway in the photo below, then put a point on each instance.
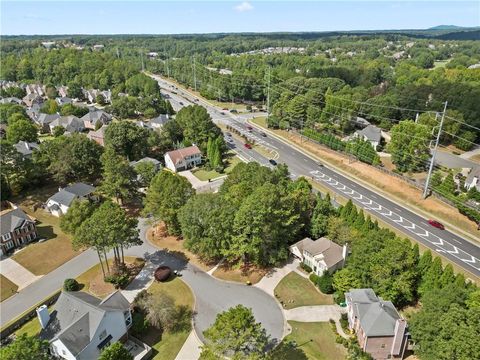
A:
(314, 313)
(452, 161)
(16, 273)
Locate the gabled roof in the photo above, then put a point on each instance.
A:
(97, 115)
(160, 120)
(77, 316)
(377, 317)
(70, 193)
(45, 119)
(26, 148)
(332, 253)
(180, 154)
(71, 123)
(371, 132)
(13, 219)
(474, 173)
(145, 159)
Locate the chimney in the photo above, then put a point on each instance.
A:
(43, 316)
(399, 343)
(344, 252)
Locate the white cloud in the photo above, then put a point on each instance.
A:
(244, 6)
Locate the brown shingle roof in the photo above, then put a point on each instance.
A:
(180, 154)
(332, 253)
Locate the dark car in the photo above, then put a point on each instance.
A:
(222, 113)
(263, 134)
(436, 224)
(225, 109)
(247, 145)
(273, 162)
(181, 103)
(228, 134)
(233, 111)
(249, 128)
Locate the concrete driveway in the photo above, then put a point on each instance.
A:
(16, 273)
(314, 313)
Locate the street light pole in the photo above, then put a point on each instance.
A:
(268, 93)
(427, 182)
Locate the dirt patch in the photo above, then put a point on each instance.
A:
(401, 191)
(242, 274)
(475, 158)
(158, 236)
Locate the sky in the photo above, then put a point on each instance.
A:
(186, 17)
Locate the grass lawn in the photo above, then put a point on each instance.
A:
(32, 327)
(168, 344)
(240, 275)
(230, 161)
(91, 281)
(294, 291)
(158, 237)
(262, 121)
(314, 341)
(54, 252)
(7, 288)
(440, 63)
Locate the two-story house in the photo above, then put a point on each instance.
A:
(92, 118)
(17, 229)
(320, 255)
(380, 329)
(59, 203)
(81, 325)
(183, 159)
(371, 133)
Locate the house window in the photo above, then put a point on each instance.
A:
(102, 335)
(9, 245)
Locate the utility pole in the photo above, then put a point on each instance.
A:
(194, 75)
(268, 92)
(427, 182)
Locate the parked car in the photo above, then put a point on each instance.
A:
(225, 109)
(249, 128)
(228, 134)
(263, 134)
(181, 103)
(233, 111)
(222, 113)
(273, 162)
(436, 224)
(247, 145)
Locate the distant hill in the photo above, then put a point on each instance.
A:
(446, 27)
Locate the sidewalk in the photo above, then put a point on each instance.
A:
(16, 273)
(270, 281)
(191, 349)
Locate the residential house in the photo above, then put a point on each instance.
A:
(320, 255)
(44, 120)
(159, 121)
(11, 100)
(380, 330)
(33, 112)
(143, 125)
(157, 164)
(35, 89)
(26, 148)
(63, 100)
(17, 229)
(90, 95)
(31, 99)
(92, 118)
(98, 47)
(60, 202)
(183, 159)
(98, 135)
(473, 179)
(62, 91)
(81, 325)
(107, 96)
(71, 123)
(371, 133)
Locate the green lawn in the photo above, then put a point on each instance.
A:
(440, 63)
(32, 327)
(314, 341)
(294, 291)
(262, 121)
(168, 344)
(230, 161)
(7, 288)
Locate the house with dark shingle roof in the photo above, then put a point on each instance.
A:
(81, 325)
(44, 120)
(371, 133)
(70, 123)
(320, 255)
(92, 118)
(26, 148)
(380, 330)
(159, 121)
(60, 202)
(17, 229)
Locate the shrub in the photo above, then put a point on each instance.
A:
(71, 285)
(344, 321)
(139, 323)
(306, 268)
(314, 278)
(119, 281)
(325, 283)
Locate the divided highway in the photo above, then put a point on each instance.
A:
(460, 251)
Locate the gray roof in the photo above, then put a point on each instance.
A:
(71, 123)
(63, 100)
(377, 317)
(70, 193)
(332, 253)
(474, 173)
(97, 115)
(371, 132)
(77, 316)
(45, 119)
(13, 219)
(10, 100)
(26, 148)
(160, 120)
(145, 159)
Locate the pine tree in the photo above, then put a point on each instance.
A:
(448, 276)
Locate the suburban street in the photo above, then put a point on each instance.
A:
(459, 250)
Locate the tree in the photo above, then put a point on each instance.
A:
(127, 139)
(166, 194)
(118, 176)
(49, 107)
(431, 277)
(26, 348)
(71, 285)
(70, 109)
(448, 186)
(146, 170)
(236, 334)
(58, 131)
(323, 210)
(409, 146)
(22, 130)
(115, 351)
(77, 213)
(206, 221)
(160, 309)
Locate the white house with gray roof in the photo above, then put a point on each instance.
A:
(60, 202)
(320, 255)
(159, 121)
(380, 329)
(81, 325)
(26, 148)
(371, 133)
(473, 179)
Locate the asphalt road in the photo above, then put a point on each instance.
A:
(212, 296)
(460, 251)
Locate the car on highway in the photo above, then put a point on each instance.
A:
(222, 113)
(273, 162)
(181, 103)
(228, 134)
(247, 145)
(225, 109)
(233, 111)
(436, 224)
(249, 128)
(263, 134)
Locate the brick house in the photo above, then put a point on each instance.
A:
(17, 229)
(381, 331)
